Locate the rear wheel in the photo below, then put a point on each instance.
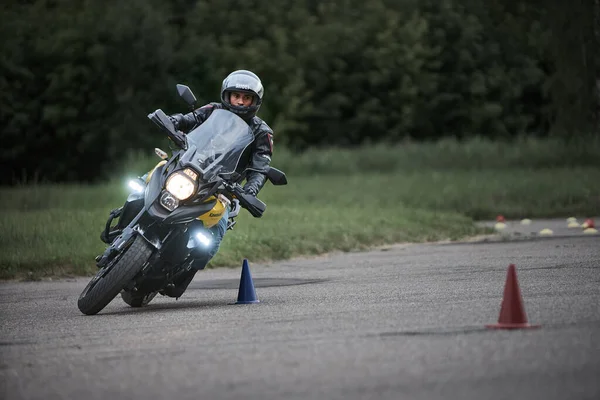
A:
(138, 299)
(105, 286)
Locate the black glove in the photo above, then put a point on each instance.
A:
(176, 119)
(254, 182)
(250, 190)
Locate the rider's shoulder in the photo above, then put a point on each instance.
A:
(210, 106)
(205, 111)
(259, 126)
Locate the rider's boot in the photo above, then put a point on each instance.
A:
(126, 214)
(133, 205)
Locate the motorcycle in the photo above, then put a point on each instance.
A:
(164, 224)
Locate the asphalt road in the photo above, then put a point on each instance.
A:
(406, 321)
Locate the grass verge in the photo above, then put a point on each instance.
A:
(50, 230)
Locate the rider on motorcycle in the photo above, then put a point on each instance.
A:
(241, 93)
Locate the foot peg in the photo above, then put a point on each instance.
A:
(230, 224)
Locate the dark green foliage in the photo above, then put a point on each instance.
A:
(575, 52)
(78, 77)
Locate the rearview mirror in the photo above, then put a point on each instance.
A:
(276, 176)
(186, 94)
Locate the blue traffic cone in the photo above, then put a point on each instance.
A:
(246, 294)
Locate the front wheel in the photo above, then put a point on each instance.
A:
(104, 287)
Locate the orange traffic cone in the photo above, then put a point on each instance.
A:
(512, 312)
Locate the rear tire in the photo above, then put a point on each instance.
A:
(138, 299)
(103, 289)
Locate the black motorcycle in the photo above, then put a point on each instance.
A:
(164, 224)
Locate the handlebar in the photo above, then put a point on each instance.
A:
(254, 206)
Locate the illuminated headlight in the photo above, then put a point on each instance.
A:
(181, 186)
(136, 186)
(168, 201)
(204, 239)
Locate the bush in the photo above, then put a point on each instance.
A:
(79, 77)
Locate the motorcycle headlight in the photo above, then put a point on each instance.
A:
(181, 186)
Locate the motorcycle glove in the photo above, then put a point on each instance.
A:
(254, 183)
(176, 119)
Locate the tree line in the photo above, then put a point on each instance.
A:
(79, 76)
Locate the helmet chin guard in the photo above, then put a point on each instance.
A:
(242, 81)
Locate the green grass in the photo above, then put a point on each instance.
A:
(473, 154)
(408, 193)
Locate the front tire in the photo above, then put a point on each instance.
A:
(102, 289)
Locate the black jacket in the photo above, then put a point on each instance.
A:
(261, 149)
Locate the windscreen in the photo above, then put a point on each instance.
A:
(215, 147)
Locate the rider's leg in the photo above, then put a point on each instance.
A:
(131, 208)
(202, 258)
